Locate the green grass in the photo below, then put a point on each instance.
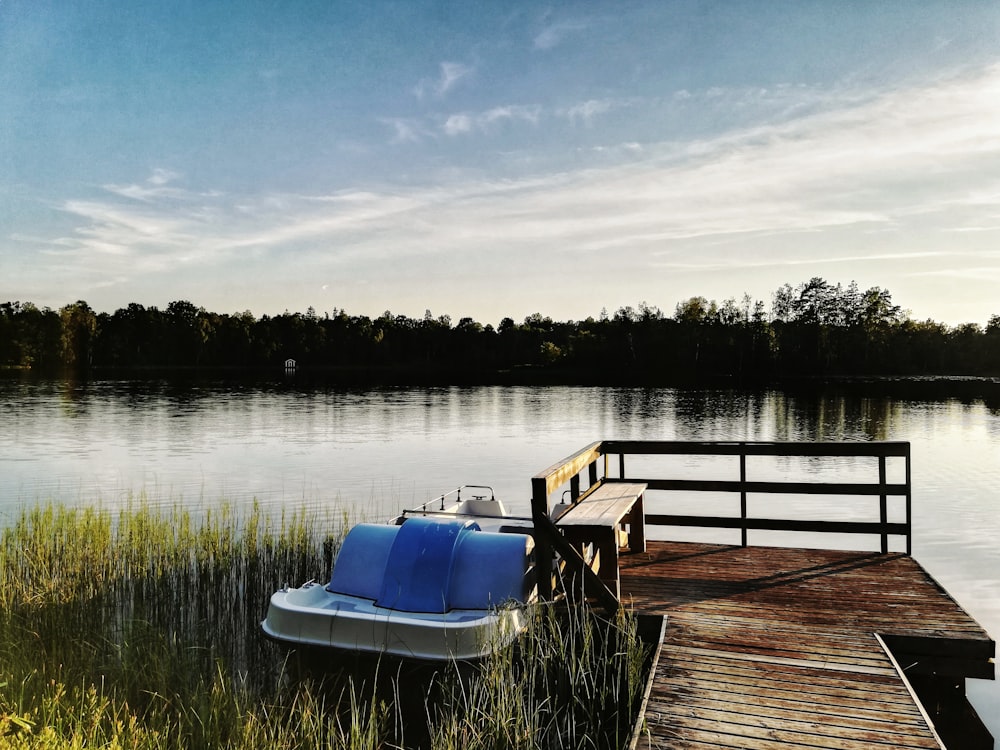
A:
(575, 681)
(140, 629)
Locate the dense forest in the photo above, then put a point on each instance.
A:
(814, 329)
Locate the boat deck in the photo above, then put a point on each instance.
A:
(774, 647)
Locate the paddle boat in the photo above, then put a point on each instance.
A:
(436, 583)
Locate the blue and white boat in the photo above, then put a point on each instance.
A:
(451, 583)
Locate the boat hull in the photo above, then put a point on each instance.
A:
(313, 616)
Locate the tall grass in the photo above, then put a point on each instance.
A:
(575, 681)
(140, 629)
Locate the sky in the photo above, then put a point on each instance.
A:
(494, 159)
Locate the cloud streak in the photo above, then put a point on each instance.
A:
(405, 129)
(464, 122)
(449, 76)
(554, 34)
(889, 162)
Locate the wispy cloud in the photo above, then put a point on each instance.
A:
(483, 121)
(157, 186)
(553, 34)
(449, 76)
(585, 112)
(911, 162)
(783, 260)
(162, 176)
(415, 130)
(458, 124)
(989, 274)
(405, 129)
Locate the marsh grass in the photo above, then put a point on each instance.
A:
(575, 681)
(140, 629)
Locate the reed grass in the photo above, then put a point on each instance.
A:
(140, 629)
(575, 681)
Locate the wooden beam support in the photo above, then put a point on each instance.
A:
(575, 562)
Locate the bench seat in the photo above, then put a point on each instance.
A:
(600, 517)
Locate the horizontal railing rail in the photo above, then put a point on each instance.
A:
(594, 463)
(755, 448)
(773, 488)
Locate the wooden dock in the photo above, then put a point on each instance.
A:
(774, 647)
(771, 647)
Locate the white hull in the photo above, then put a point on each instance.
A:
(313, 616)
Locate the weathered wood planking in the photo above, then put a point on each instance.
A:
(607, 505)
(772, 647)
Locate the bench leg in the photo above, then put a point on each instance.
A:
(637, 527)
(606, 543)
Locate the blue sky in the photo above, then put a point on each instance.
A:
(503, 158)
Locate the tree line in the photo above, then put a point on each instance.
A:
(813, 329)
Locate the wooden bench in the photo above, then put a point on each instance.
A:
(600, 518)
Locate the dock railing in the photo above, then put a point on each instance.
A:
(606, 461)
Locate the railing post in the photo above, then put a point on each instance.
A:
(574, 487)
(909, 523)
(543, 547)
(621, 465)
(743, 494)
(592, 473)
(883, 510)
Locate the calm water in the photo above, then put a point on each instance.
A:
(375, 451)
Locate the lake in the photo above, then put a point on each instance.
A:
(288, 445)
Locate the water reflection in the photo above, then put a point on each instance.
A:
(756, 415)
(642, 405)
(238, 434)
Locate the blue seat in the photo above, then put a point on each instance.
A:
(418, 571)
(361, 560)
(431, 566)
(489, 571)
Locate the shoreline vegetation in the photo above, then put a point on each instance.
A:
(815, 330)
(139, 628)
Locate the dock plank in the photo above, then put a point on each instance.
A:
(776, 647)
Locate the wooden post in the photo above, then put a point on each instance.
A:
(883, 509)
(621, 465)
(543, 547)
(743, 496)
(592, 473)
(909, 523)
(574, 487)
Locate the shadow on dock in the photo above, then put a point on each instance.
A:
(798, 645)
